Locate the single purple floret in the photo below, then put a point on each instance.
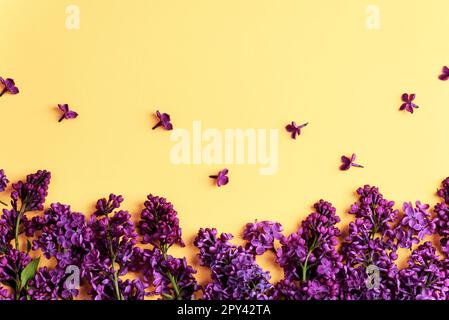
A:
(9, 86)
(67, 113)
(294, 129)
(222, 178)
(347, 162)
(408, 104)
(164, 121)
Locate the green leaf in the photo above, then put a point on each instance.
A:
(28, 272)
(28, 246)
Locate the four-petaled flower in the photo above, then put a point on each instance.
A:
(444, 74)
(9, 86)
(164, 121)
(222, 178)
(349, 162)
(294, 129)
(67, 113)
(408, 104)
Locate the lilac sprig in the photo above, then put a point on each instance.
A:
(172, 277)
(104, 282)
(368, 244)
(159, 226)
(309, 257)
(27, 196)
(114, 241)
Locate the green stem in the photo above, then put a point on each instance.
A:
(164, 250)
(304, 267)
(175, 286)
(16, 233)
(118, 295)
(116, 287)
(17, 288)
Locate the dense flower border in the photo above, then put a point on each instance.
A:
(107, 250)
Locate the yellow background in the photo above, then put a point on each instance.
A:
(230, 64)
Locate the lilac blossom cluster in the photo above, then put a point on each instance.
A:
(110, 257)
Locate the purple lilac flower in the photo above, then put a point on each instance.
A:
(105, 283)
(211, 245)
(347, 162)
(260, 236)
(3, 180)
(159, 224)
(294, 129)
(236, 276)
(302, 252)
(425, 278)
(173, 279)
(115, 236)
(367, 244)
(105, 206)
(414, 226)
(9, 86)
(408, 104)
(103, 288)
(309, 257)
(374, 208)
(50, 284)
(66, 112)
(418, 218)
(164, 121)
(32, 193)
(114, 240)
(444, 74)
(64, 235)
(235, 273)
(11, 265)
(221, 178)
(26, 196)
